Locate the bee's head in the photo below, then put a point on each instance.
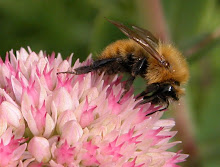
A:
(169, 91)
(161, 92)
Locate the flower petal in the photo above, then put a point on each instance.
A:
(71, 132)
(11, 113)
(40, 149)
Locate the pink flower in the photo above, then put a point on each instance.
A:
(11, 149)
(74, 120)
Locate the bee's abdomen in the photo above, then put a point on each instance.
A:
(122, 48)
(126, 53)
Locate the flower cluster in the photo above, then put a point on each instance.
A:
(74, 120)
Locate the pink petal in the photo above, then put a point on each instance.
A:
(64, 154)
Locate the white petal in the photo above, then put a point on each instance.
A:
(74, 95)
(33, 57)
(19, 151)
(41, 89)
(91, 94)
(39, 147)
(24, 71)
(63, 118)
(41, 64)
(6, 137)
(87, 82)
(7, 97)
(26, 111)
(13, 59)
(70, 58)
(62, 100)
(19, 131)
(168, 123)
(3, 126)
(64, 66)
(26, 162)
(49, 126)
(54, 139)
(22, 54)
(54, 111)
(71, 132)
(59, 58)
(29, 49)
(17, 88)
(54, 164)
(11, 113)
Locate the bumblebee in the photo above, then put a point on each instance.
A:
(161, 65)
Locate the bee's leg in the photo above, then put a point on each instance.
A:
(146, 100)
(167, 105)
(150, 90)
(127, 87)
(154, 99)
(94, 66)
(136, 69)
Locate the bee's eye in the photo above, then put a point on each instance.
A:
(168, 88)
(170, 91)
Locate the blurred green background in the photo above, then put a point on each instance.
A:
(79, 26)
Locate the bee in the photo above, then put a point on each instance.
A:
(161, 65)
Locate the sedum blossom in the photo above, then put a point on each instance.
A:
(74, 120)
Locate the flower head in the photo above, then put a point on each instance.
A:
(75, 120)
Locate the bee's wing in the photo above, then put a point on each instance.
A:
(141, 41)
(146, 34)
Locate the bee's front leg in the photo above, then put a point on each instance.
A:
(156, 100)
(150, 90)
(127, 87)
(136, 70)
(166, 101)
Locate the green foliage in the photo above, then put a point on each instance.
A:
(79, 26)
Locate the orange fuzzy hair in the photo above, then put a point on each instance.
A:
(122, 48)
(156, 73)
(178, 70)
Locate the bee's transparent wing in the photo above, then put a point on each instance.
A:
(141, 41)
(146, 35)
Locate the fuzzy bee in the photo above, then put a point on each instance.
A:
(161, 65)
